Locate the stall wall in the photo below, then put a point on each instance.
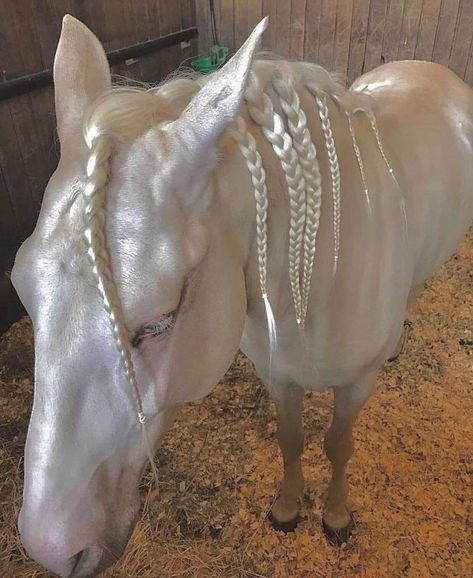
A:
(351, 36)
(29, 32)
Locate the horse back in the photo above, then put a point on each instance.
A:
(425, 114)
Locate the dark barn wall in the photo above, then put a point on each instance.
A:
(29, 31)
(351, 36)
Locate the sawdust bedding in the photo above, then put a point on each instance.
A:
(220, 465)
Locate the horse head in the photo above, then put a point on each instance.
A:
(134, 274)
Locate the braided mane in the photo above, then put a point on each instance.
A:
(125, 113)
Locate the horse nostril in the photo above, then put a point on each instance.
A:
(76, 560)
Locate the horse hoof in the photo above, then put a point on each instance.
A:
(338, 536)
(285, 527)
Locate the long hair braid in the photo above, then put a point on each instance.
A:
(247, 145)
(359, 159)
(261, 110)
(306, 151)
(374, 127)
(334, 168)
(98, 168)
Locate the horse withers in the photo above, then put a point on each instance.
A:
(263, 207)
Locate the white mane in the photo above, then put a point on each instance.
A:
(124, 113)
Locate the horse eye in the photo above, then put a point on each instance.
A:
(164, 324)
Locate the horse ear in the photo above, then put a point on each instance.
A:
(217, 104)
(81, 73)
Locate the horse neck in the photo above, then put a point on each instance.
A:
(270, 179)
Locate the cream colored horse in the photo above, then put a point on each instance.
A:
(264, 206)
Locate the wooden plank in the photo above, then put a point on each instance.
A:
(58, 9)
(269, 39)
(44, 20)
(106, 17)
(462, 42)
(167, 12)
(31, 146)
(298, 28)
(328, 24)
(225, 12)
(469, 69)
(47, 26)
(359, 32)
(374, 41)
(18, 126)
(94, 16)
(26, 36)
(312, 28)
(445, 31)
(165, 17)
(12, 61)
(283, 29)
(140, 15)
(342, 38)
(14, 169)
(119, 34)
(392, 30)
(409, 29)
(241, 22)
(141, 19)
(8, 62)
(156, 66)
(45, 124)
(154, 15)
(255, 13)
(203, 24)
(427, 29)
(132, 68)
(9, 228)
(187, 13)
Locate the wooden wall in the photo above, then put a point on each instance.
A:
(29, 32)
(351, 36)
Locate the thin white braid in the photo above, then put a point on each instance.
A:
(305, 148)
(98, 167)
(254, 163)
(359, 159)
(374, 127)
(261, 110)
(334, 169)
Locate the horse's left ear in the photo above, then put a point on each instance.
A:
(217, 104)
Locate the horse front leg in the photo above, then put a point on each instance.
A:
(339, 447)
(289, 401)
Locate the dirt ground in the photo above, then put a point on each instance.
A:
(220, 466)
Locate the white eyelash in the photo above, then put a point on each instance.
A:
(160, 326)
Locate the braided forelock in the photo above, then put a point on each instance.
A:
(98, 168)
(307, 154)
(262, 112)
